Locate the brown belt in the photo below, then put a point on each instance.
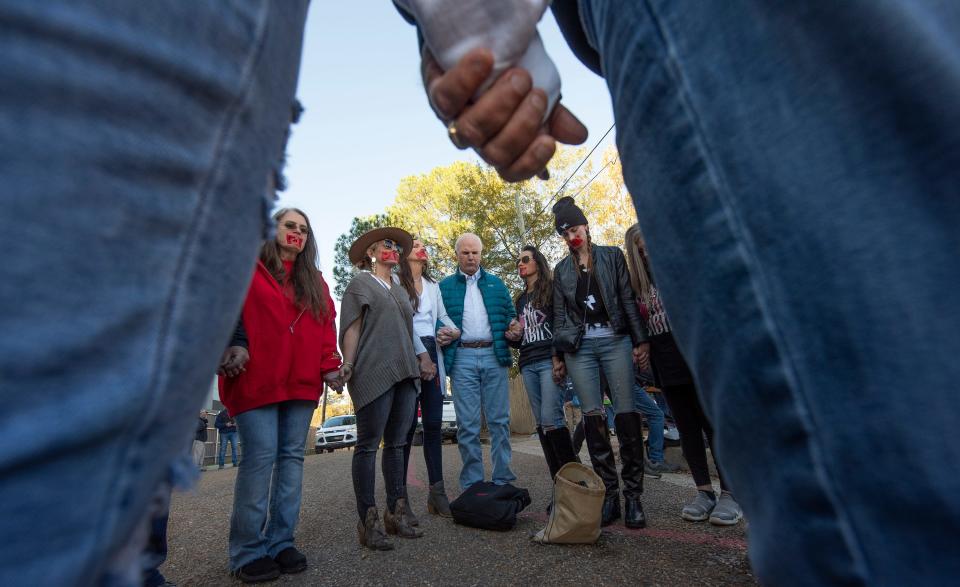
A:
(480, 344)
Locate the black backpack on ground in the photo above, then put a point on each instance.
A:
(489, 506)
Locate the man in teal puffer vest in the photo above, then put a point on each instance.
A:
(477, 363)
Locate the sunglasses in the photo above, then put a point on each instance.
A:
(290, 225)
(390, 245)
(523, 260)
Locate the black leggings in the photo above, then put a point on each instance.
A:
(692, 424)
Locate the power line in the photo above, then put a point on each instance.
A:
(595, 175)
(569, 177)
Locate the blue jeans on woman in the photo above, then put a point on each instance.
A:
(546, 398)
(146, 136)
(614, 356)
(225, 438)
(266, 496)
(431, 416)
(654, 416)
(817, 162)
(385, 419)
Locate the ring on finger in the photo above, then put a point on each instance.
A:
(454, 136)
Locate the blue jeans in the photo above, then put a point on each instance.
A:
(225, 438)
(818, 164)
(612, 354)
(480, 382)
(546, 398)
(270, 476)
(146, 137)
(654, 416)
(431, 415)
(385, 419)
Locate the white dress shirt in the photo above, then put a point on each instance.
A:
(476, 323)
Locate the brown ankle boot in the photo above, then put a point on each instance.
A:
(396, 522)
(437, 502)
(370, 532)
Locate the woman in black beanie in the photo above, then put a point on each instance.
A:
(598, 328)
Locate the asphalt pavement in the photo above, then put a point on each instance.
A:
(670, 551)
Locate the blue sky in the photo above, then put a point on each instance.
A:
(367, 123)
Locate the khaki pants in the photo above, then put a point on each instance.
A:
(199, 448)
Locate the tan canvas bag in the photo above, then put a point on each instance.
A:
(577, 505)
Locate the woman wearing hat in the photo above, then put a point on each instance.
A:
(272, 375)
(598, 328)
(382, 372)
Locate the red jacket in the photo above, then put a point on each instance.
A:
(290, 350)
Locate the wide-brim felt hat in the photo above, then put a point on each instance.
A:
(358, 250)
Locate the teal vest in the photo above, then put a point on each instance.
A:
(496, 300)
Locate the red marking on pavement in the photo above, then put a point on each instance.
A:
(412, 480)
(674, 535)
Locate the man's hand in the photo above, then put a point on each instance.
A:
(234, 361)
(446, 335)
(504, 124)
(428, 370)
(559, 371)
(514, 330)
(641, 355)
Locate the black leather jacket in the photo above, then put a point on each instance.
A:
(610, 270)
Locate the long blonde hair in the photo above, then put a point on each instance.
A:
(637, 265)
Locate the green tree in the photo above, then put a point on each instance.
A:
(464, 197)
(343, 270)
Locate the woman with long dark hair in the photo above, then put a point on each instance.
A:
(598, 329)
(283, 352)
(674, 378)
(428, 310)
(538, 358)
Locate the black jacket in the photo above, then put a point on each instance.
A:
(610, 271)
(201, 434)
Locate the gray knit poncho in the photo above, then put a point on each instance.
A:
(385, 355)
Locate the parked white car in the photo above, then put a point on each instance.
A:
(448, 424)
(337, 432)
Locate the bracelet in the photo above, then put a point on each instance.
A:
(348, 364)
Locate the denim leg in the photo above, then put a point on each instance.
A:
(287, 488)
(546, 398)
(495, 397)
(232, 438)
(817, 163)
(222, 449)
(531, 382)
(155, 552)
(145, 135)
(431, 406)
(371, 422)
(615, 354)
(654, 416)
(402, 410)
(584, 370)
(466, 379)
(259, 429)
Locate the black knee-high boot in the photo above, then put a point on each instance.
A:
(630, 435)
(548, 453)
(604, 465)
(559, 440)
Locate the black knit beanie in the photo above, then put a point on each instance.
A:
(567, 214)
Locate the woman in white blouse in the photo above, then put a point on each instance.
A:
(428, 311)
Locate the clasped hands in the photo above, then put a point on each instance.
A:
(505, 124)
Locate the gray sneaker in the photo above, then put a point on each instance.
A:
(727, 512)
(699, 509)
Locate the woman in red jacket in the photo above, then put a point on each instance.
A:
(288, 323)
